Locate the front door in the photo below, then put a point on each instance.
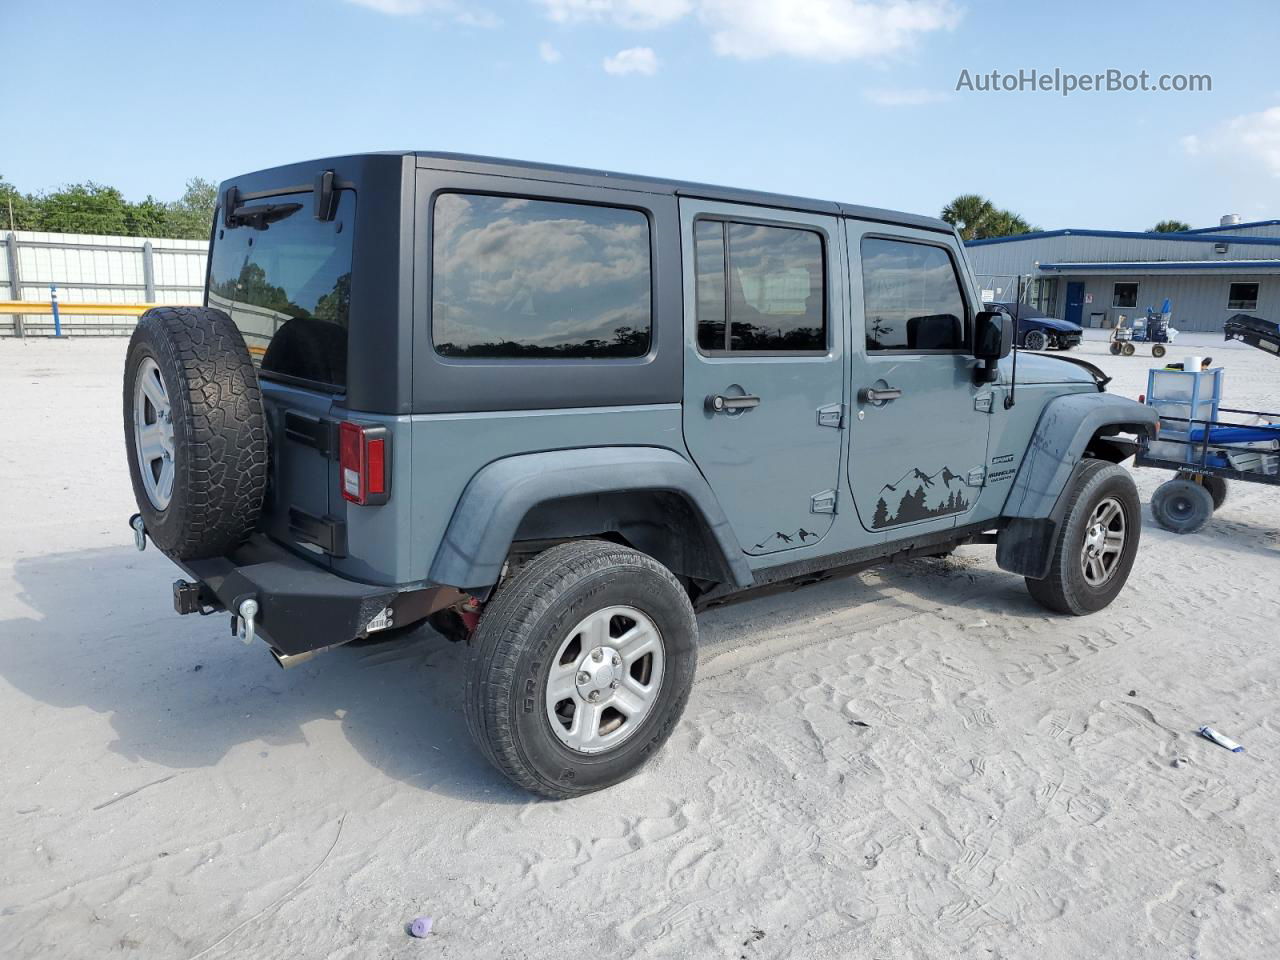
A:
(918, 434)
(763, 387)
(1075, 303)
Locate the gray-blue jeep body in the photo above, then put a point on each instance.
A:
(463, 362)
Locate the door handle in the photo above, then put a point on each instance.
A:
(718, 403)
(882, 395)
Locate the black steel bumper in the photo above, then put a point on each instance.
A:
(301, 606)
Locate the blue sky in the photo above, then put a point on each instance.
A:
(843, 99)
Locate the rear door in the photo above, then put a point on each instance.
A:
(764, 349)
(918, 434)
(284, 278)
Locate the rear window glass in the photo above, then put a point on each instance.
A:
(539, 279)
(286, 283)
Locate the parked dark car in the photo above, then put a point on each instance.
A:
(1039, 332)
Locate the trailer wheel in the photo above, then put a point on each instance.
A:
(1130, 349)
(1216, 486)
(1182, 505)
(1157, 350)
(1115, 348)
(195, 431)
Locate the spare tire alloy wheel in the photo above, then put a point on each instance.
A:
(153, 433)
(196, 431)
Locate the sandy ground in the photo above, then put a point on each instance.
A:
(912, 762)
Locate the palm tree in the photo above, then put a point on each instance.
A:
(966, 213)
(1001, 223)
(1170, 226)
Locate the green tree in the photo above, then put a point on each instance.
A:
(191, 217)
(83, 208)
(16, 209)
(966, 212)
(1170, 226)
(975, 218)
(150, 218)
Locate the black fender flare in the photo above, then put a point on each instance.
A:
(501, 494)
(1054, 462)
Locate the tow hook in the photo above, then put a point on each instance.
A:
(139, 531)
(243, 623)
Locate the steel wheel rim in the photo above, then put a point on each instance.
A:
(1104, 540)
(605, 679)
(153, 433)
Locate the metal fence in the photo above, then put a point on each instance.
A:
(92, 272)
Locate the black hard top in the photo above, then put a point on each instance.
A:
(498, 166)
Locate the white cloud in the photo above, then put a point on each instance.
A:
(1251, 138)
(548, 53)
(632, 14)
(901, 97)
(640, 60)
(452, 9)
(822, 29)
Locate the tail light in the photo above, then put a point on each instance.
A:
(364, 462)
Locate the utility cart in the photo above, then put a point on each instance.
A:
(1153, 329)
(1202, 449)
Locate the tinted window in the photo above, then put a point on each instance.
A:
(537, 278)
(1125, 295)
(285, 280)
(1243, 296)
(776, 288)
(911, 297)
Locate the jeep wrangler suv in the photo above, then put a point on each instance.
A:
(554, 412)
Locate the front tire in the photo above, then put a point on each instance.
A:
(580, 668)
(1035, 341)
(1095, 551)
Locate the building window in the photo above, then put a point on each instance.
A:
(911, 297)
(1242, 296)
(759, 288)
(539, 279)
(1046, 299)
(1125, 295)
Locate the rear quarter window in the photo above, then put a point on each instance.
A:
(519, 278)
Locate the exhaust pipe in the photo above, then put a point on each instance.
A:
(289, 660)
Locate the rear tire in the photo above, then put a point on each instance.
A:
(1158, 351)
(193, 407)
(533, 665)
(1129, 349)
(1182, 505)
(1103, 506)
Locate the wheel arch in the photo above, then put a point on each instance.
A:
(649, 497)
(1073, 432)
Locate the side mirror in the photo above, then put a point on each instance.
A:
(992, 341)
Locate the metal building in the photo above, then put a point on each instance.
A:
(1094, 276)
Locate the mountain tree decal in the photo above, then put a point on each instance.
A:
(928, 499)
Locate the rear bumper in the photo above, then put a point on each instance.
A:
(301, 606)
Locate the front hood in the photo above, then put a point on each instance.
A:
(1039, 368)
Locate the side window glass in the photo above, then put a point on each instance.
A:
(539, 279)
(772, 296)
(911, 297)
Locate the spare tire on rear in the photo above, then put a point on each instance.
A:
(195, 431)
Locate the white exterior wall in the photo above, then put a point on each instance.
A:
(98, 269)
